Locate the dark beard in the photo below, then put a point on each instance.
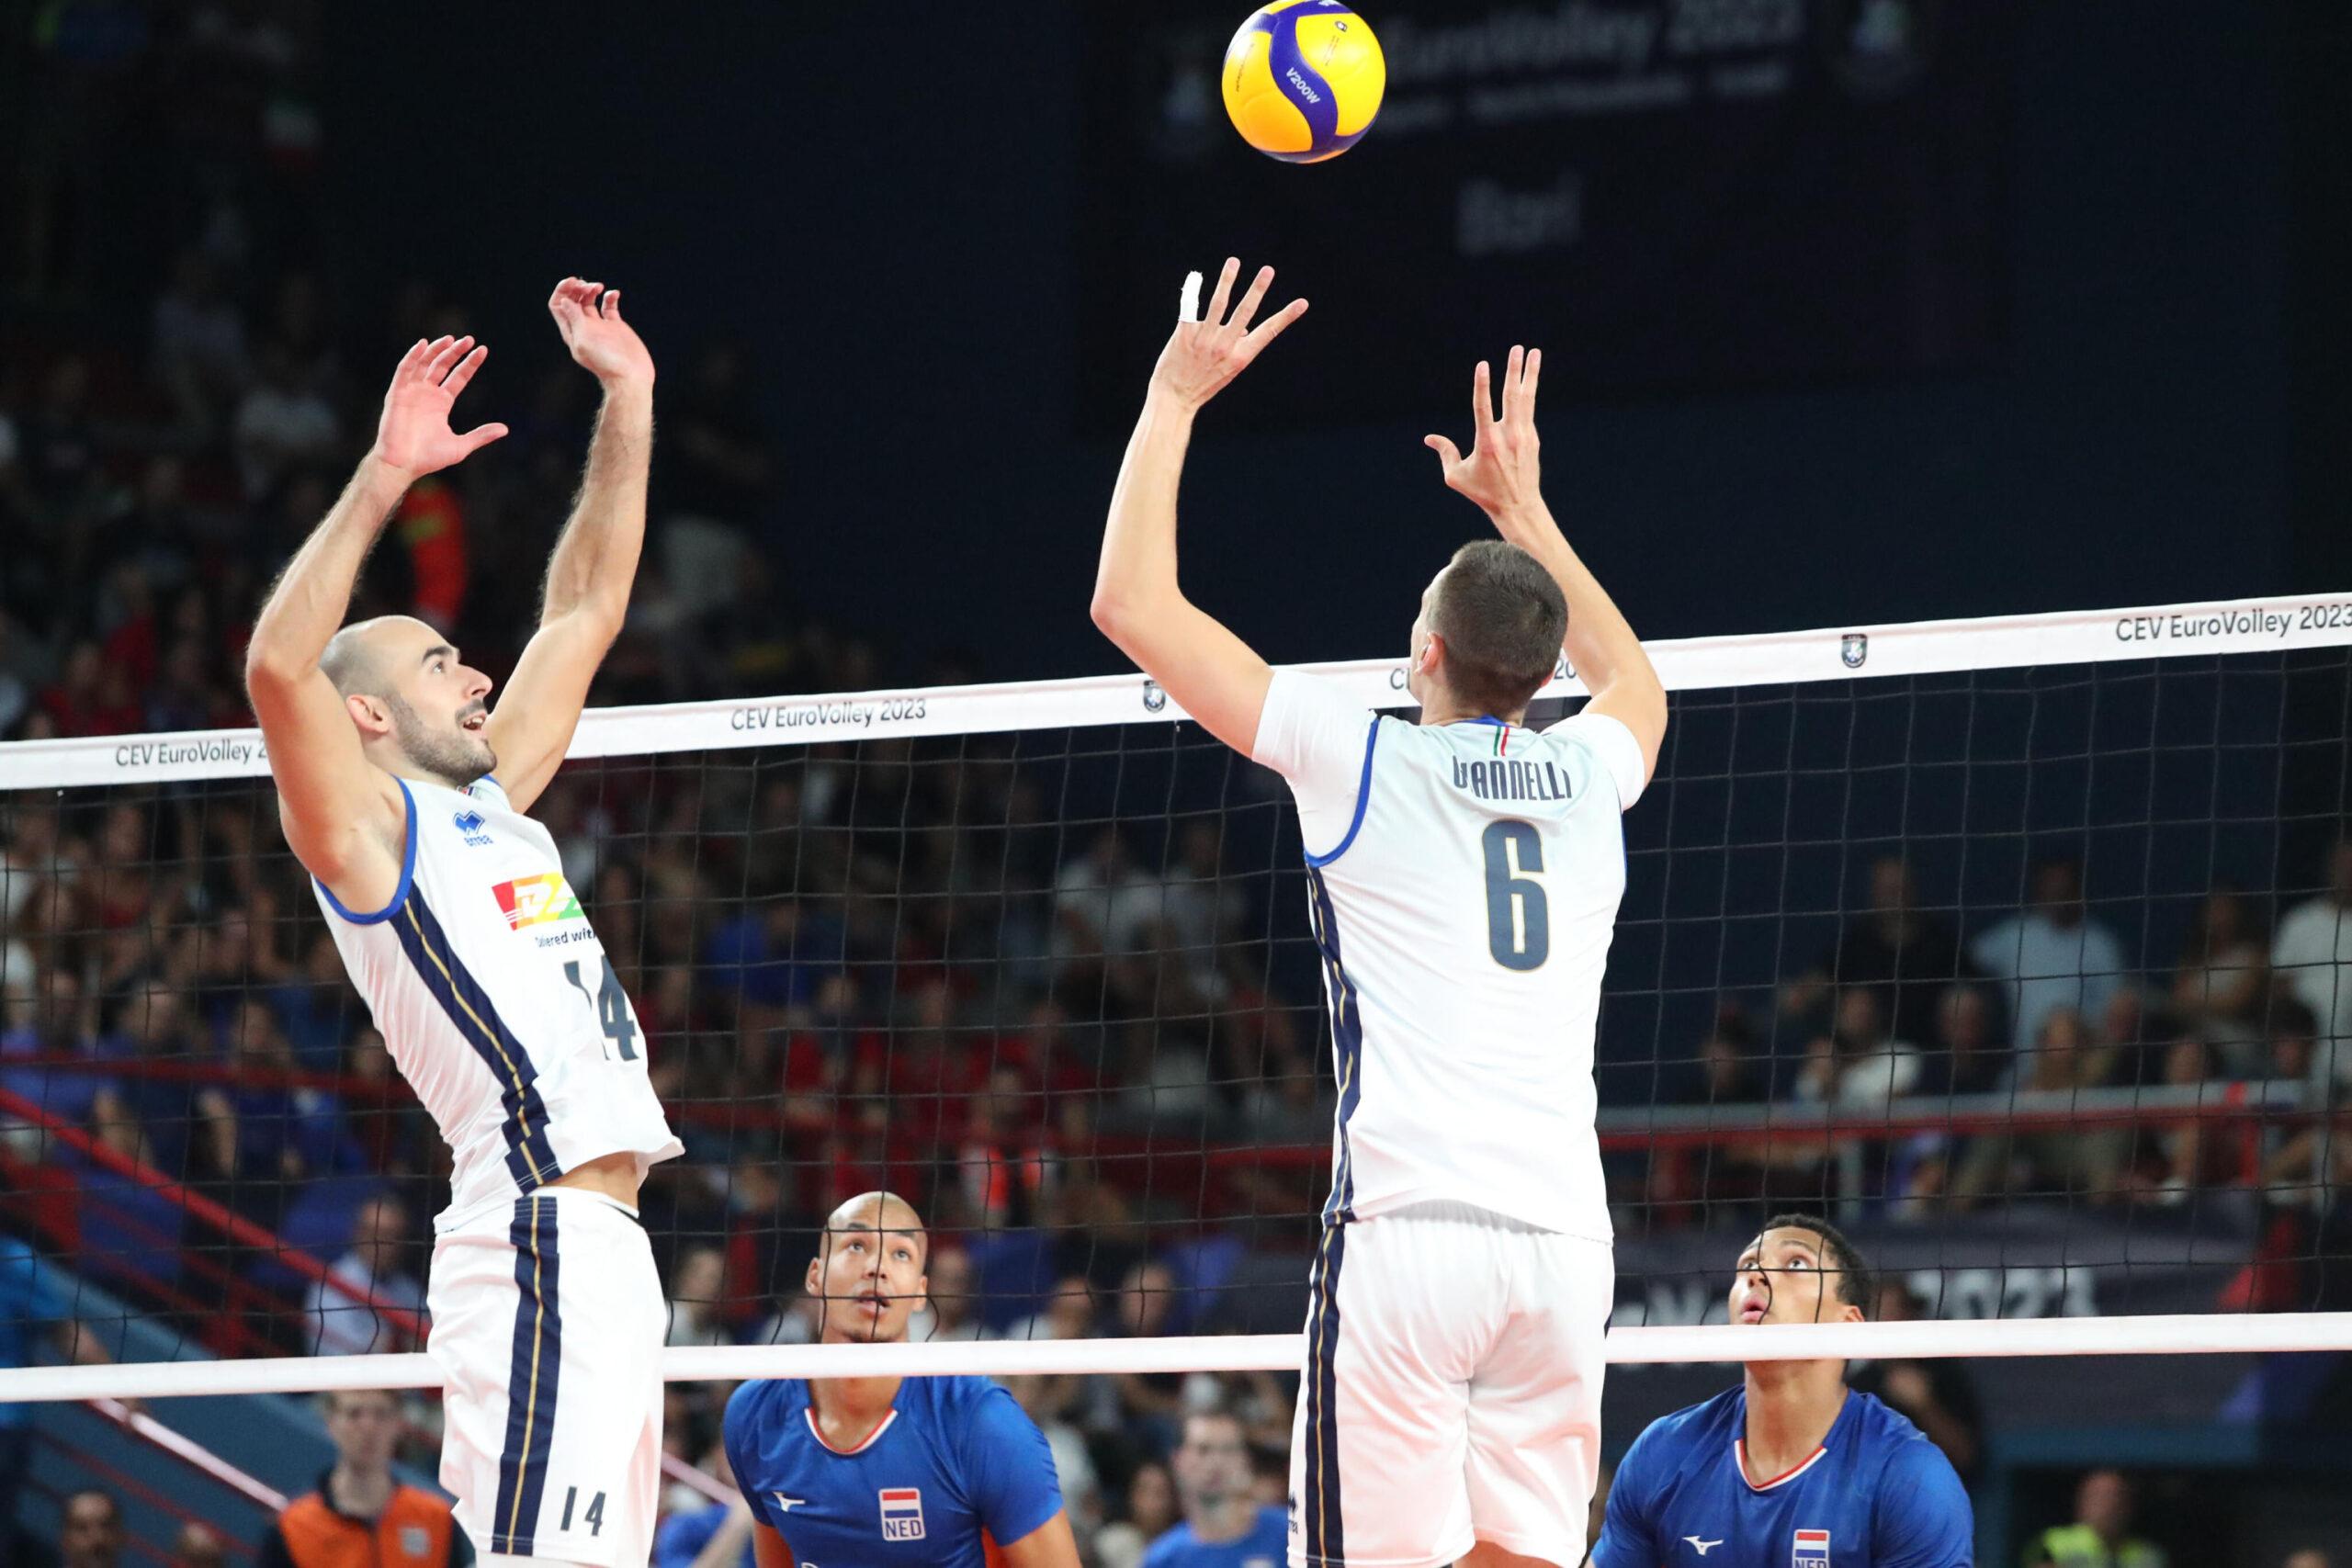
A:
(456, 760)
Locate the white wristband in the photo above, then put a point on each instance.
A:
(1188, 309)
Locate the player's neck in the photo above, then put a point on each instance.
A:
(1791, 1407)
(1443, 709)
(848, 1409)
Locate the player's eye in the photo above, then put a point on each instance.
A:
(1794, 1263)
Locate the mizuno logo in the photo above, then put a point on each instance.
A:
(1703, 1546)
(786, 1504)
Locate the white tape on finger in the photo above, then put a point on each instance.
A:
(1188, 309)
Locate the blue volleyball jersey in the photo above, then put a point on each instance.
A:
(1876, 1494)
(1265, 1546)
(956, 1459)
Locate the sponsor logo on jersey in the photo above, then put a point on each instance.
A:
(415, 1541)
(1703, 1547)
(538, 900)
(471, 824)
(902, 1513)
(1812, 1550)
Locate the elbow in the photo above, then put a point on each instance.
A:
(269, 668)
(1121, 612)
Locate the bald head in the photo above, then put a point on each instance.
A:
(878, 1212)
(355, 657)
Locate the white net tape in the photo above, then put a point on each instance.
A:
(2172, 1335)
(1715, 664)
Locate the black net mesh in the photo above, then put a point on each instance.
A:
(2027, 976)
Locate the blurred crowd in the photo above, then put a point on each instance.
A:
(2026, 1021)
(1076, 1042)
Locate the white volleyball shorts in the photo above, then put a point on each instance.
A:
(1452, 1392)
(548, 1325)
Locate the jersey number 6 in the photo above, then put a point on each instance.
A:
(1518, 920)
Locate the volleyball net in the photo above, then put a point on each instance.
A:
(2013, 946)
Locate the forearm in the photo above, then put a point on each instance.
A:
(1600, 643)
(1139, 564)
(307, 607)
(595, 563)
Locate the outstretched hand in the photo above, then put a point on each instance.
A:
(1503, 472)
(589, 317)
(1203, 355)
(415, 435)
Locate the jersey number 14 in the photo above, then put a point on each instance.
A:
(611, 1005)
(1519, 918)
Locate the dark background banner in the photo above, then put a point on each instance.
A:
(1679, 194)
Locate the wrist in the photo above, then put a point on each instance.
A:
(1522, 519)
(628, 386)
(382, 478)
(1162, 401)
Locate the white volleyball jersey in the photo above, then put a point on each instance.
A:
(497, 1002)
(1462, 883)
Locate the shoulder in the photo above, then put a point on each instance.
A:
(963, 1395)
(1694, 1423)
(755, 1406)
(961, 1410)
(1666, 1443)
(1913, 1473)
(1611, 748)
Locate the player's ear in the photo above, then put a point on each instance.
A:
(368, 713)
(1431, 657)
(813, 1282)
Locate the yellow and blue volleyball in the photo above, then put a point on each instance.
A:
(1302, 80)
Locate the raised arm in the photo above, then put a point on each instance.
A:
(595, 563)
(1213, 675)
(1503, 474)
(341, 812)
